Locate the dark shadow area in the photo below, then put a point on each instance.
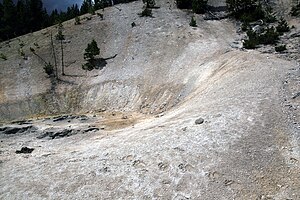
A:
(74, 75)
(100, 63)
(66, 82)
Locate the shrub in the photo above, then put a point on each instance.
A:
(77, 20)
(246, 10)
(146, 13)
(269, 37)
(2, 56)
(149, 3)
(193, 22)
(280, 48)
(245, 26)
(282, 26)
(100, 15)
(22, 54)
(296, 10)
(48, 69)
(252, 41)
(60, 35)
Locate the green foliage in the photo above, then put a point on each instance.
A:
(49, 69)
(92, 10)
(22, 54)
(280, 48)
(3, 57)
(252, 41)
(60, 35)
(86, 6)
(193, 22)
(77, 20)
(146, 12)
(32, 50)
(245, 26)
(246, 10)
(296, 10)
(282, 26)
(199, 6)
(269, 36)
(149, 3)
(91, 51)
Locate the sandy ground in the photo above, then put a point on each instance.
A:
(137, 138)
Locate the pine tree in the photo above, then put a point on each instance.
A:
(86, 6)
(8, 19)
(61, 37)
(91, 51)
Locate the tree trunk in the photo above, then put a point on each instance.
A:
(62, 58)
(54, 56)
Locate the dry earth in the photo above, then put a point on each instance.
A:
(128, 131)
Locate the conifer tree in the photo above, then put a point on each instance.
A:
(91, 51)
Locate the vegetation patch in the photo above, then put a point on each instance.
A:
(296, 10)
(280, 48)
(193, 22)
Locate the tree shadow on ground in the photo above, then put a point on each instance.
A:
(100, 63)
(74, 75)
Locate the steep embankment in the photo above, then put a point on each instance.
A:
(151, 72)
(246, 148)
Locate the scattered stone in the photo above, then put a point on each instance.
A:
(215, 16)
(102, 110)
(296, 95)
(82, 117)
(25, 150)
(228, 182)
(60, 118)
(124, 117)
(22, 122)
(162, 166)
(52, 135)
(15, 130)
(182, 167)
(91, 129)
(184, 129)
(199, 121)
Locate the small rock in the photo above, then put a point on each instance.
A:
(228, 182)
(15, 130)
(25, 150)
(91, 129)
(296, 95)
(60, 118)
(199, 121)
